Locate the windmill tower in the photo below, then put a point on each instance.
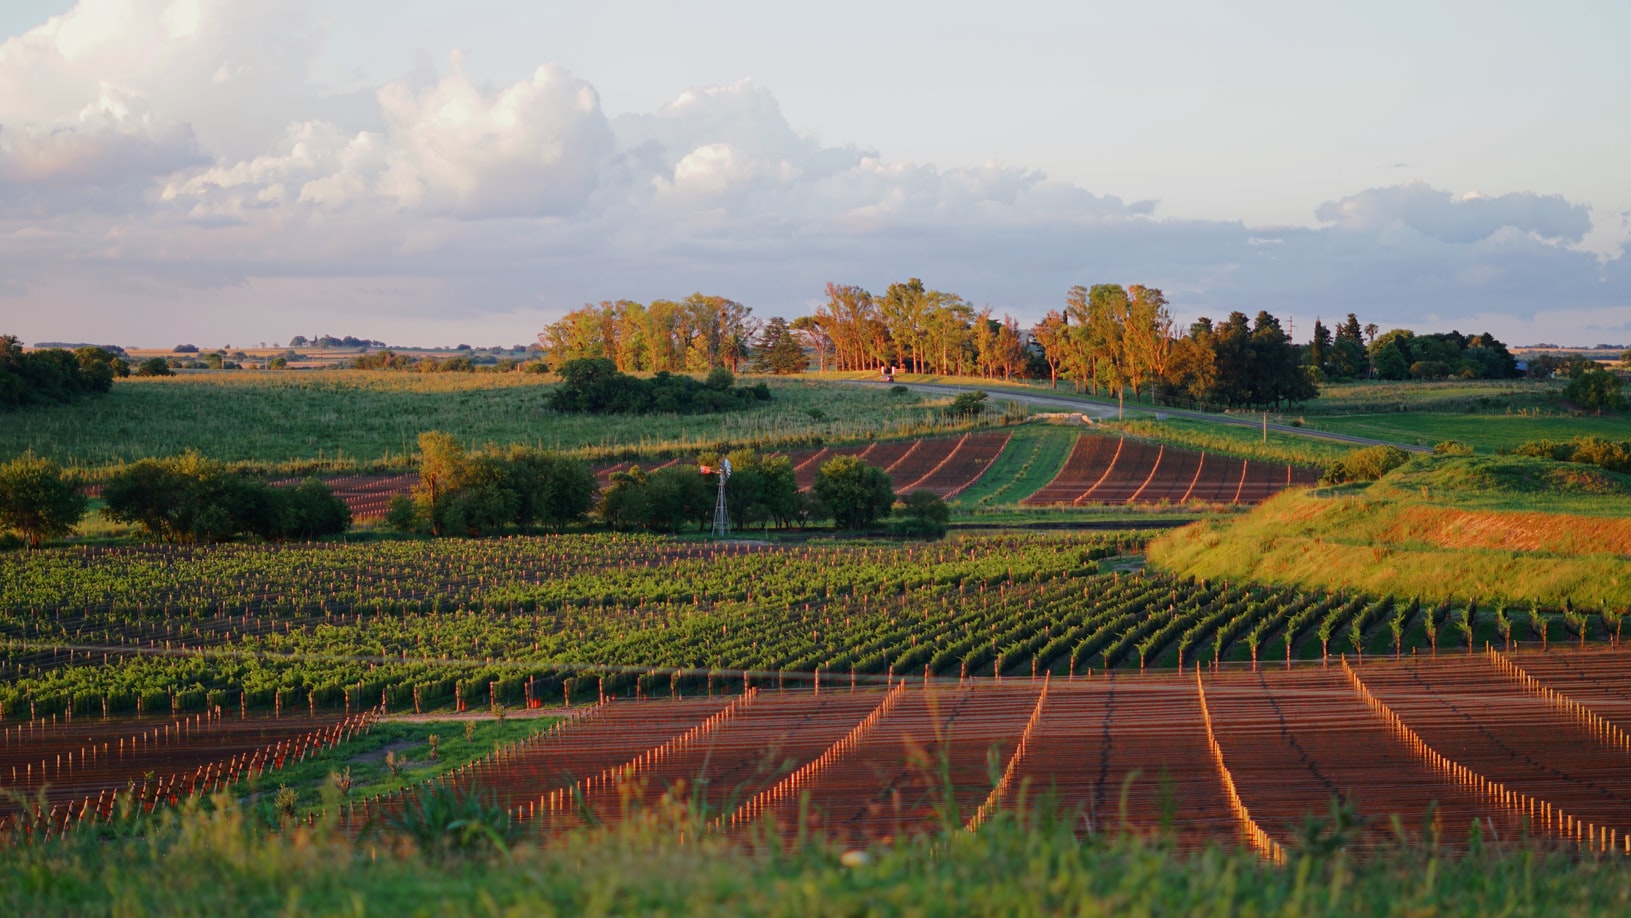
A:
(722, 519)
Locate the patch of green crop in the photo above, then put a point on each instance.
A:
(1034, 455)
(352, 420)
(407, 743)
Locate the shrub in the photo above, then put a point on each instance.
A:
(154, 366)
(1612, 455)
(1366, 464)
(967, 404)
(923, 515)
(402, 514)
(1452, 448)
(444, 820)
(475, 494)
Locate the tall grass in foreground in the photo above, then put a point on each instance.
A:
(212, 860)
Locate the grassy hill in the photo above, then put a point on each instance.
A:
(1487, 528)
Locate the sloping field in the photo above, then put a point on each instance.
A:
(1529, 742)
(1422, 748)
(1409, 546)
(1119, 470)
(75, 767)
(945, 466)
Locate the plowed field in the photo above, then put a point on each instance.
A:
(1119, 470)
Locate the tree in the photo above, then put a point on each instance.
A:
(779, 351)
(1052, 334)
(1147, 336)
(854, 494)
(815, 338)
(551, 489)
(190, 498)
(39, 500)
(904, 308)
(1319, 349)
(441, 472)
(1391, 361)
(1595, 390)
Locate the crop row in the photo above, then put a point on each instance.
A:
(528, 620)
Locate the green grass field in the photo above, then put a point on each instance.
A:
(363, 758)
(350, 419)
(1462, 395)
(1231, 440)
(1034, 455)
(1484, 432)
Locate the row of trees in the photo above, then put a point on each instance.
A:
(458, 363)
(913, 327)
(759, 491)
(49, 375)
(695, 334)
(185, 498)
(465, 493)
(190, 498)
(1403, 354)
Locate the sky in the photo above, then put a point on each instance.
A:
(432, 173)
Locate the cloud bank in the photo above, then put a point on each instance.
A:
(168, 169)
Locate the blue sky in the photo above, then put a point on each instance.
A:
(432, 172)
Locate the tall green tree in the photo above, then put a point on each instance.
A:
(39, 500)
(442, 461)
(779, 351)
(853, 493)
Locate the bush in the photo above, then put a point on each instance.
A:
(444, 821)
(660, 501)
(1452, 448)
(968, 404)
(1612, 455)
(154, 366)
(923, 515)
(1366, 464)
(403, 514)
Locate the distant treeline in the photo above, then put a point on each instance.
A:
(54, 374)
(459, 363)
(329, 341)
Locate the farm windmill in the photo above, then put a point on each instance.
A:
(722, 520)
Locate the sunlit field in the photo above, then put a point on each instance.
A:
(358, 420)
